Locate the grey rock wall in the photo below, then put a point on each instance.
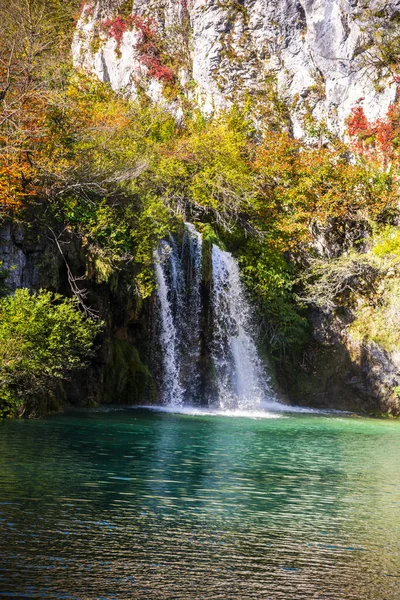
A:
(311, 47)
(29, 260)
(344, 373)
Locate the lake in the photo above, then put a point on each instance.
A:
(134, 503)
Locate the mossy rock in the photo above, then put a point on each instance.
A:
(127, 379)
(209, 239)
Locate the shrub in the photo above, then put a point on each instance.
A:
(380, 322)
(388, 243)
(377, 141)
(43, 337)
(330, 283)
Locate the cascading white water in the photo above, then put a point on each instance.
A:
(241, 381)
(190, 318)
(178, 276)
(172, 389)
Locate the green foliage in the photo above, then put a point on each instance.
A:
(388, 243)
(380, 27)
(43, 337)
(366, 284)
(120, 173)
(379, 321)
(270, 281)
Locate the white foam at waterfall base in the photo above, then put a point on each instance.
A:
(196, 411)
(269, 410)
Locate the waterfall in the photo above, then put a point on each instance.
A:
(172, 389)
(190, 316)
(234, 372)
(178, 274)
(240, 378)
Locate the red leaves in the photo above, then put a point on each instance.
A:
(148, 45)
(146, 28)
(116, 28)
(156, 69)
(375, 140)
(357, 122)
(150, 50)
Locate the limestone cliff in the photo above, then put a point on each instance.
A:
(316, 51)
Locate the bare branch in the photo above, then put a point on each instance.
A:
(80, 294)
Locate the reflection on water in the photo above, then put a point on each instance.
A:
(139, 505)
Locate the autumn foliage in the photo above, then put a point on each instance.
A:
(148, 47)
(35, 38)
(378, 141)
(305, 186)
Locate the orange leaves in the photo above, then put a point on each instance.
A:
(20, 138)
(302, 185)
(15, 182)
(358, 124)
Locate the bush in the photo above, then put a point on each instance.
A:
(380, 323)
(330, 283)
(388, 243)
(43, 337)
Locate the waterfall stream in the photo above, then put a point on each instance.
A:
(172, 389)
(234, 377)
(237, 364)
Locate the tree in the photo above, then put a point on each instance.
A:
(34, 34)
(379, 53)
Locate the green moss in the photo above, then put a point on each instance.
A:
(380, 323)
(95, 43)
(127, 380)
(382, 415)
(209, 239)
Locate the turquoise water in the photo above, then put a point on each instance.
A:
(137, 504)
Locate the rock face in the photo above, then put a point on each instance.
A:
(30, 261)
(312, 50)
(345, 373)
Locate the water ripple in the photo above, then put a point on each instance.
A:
(143, 504)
